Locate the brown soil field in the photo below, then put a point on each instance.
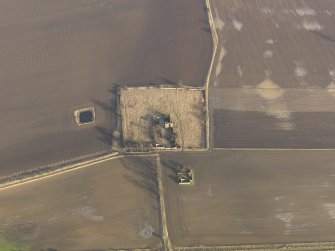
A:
(251, 129)
(272, 83)
(288, 41)
(60, 56)
(186, 108)
(113, 204)
(251, 197)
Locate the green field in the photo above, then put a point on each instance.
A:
(5, 245)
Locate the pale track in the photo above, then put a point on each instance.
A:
(215, 45)
(316, 246)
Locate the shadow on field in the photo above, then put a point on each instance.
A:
(173, 167)
(105, 134)
(198, 110)
(49, 249)
(111, 105)
(205, 25)
(169, 81)
(321, 35)
(145, 174)
(99, 249)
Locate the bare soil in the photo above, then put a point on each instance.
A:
(251, 197)
(113, 204)
(271, 84)
(60, 56)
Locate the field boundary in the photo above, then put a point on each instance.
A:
(165, 233)
(315, 246)
(166, 87)
(215, 45)
(31, 176)
(273, 149)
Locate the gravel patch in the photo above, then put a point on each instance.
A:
(186, 108)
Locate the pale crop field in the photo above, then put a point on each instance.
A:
(186, 108)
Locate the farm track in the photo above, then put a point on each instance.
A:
(317, 246)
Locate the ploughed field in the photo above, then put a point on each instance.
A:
(273, 79)
(251, 197)
(57, 57)
(113, 204)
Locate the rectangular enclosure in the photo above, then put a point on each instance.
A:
(163, 118)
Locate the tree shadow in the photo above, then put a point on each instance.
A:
(98, 249)
(208, 30)
(169, 81)
(173, 167)
(144, 174)
(111, 105)
(143, 184)
(198, 109)
(204, 25)
(105, 133)
(142, 126)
